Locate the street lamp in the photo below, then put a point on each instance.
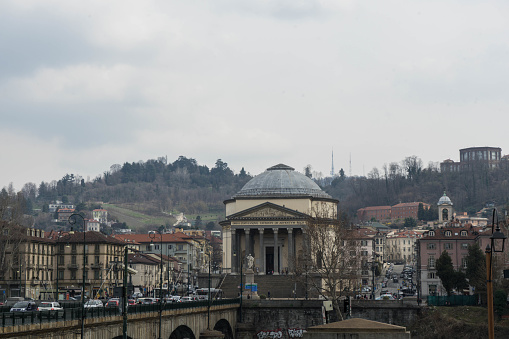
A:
(72, 220)
(152, 236)
(497, 241)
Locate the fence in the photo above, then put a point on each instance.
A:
(452, 300)
(74, 313)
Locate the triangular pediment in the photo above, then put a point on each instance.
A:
(268, 211)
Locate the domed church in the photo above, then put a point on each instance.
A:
(267, 219)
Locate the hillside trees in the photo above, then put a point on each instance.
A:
(449, 277)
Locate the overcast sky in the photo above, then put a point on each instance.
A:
(85, 85)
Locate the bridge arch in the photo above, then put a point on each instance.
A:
(224, 326)
(182, 332)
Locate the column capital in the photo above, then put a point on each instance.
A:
(275, 229)
(290, 230)
(247, 229)
(261, 230)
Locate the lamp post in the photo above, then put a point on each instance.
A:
(208, 306)
(72, 221)
(497, 241)
(152, 236)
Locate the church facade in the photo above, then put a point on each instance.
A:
(267, 220)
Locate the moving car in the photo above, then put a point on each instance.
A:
(113, 303)
(24, 306)
(49, 306)
(93, 303)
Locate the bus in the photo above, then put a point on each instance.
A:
(215, 293)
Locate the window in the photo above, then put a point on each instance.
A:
(60, 274)
(85, 275)
(463, 233)
(73, 260)
(464, 246)
(448, 246)
(170, 247)
(448, 233)
(97, 247)
(431, 275)
(431, 246)
(61, 248)
(73, 248)
(464, 263)
(364, 253)
(73, 275)
(431, 261)
(364, 243)
(96, 259)
(97, 274)
(431, 233)
(180, 247)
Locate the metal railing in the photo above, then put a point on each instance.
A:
(73, 312)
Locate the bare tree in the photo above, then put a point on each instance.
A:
(331, 253)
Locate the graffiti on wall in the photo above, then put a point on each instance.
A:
(279, 333)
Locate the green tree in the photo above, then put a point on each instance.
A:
(476, 268)
(210, 225)
(410, 223)
(421, 214)
(445, 271)
(198, 222)
(499, 302)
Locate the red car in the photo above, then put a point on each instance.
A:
(112, 303)
(131, 302)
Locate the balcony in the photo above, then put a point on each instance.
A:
(72, 266)
(97, 265)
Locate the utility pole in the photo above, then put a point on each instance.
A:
(124, 296)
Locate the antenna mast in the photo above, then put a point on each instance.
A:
(350, 164)
(332, 169)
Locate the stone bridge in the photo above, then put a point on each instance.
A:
(175, 324)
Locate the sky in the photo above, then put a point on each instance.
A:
(85, 85)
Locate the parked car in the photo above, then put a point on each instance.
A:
(137, 295)
(93, 303)
(131, 302)
(12, 300)
(385, 297)
(113, 303)
(187, 299)
(24, 306)
(49, 306)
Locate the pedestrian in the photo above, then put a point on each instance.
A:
(268, 294)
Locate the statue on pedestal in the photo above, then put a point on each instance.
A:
(250, 261)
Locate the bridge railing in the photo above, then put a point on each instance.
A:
(26, 318)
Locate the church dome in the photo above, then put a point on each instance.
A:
(444, 200)
(281, 181)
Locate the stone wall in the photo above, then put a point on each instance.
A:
(278, 318)
(386, 311)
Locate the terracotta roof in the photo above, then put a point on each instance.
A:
(145, 238)
(91, 237)
(372, 208)
(410, 204)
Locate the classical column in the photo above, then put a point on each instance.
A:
(261, 256)
(235, 253)
(276, 265)
(248, 242)
(290, 249)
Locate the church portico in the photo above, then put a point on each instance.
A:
(273, 248)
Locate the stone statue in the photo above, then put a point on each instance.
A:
(250, 261)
